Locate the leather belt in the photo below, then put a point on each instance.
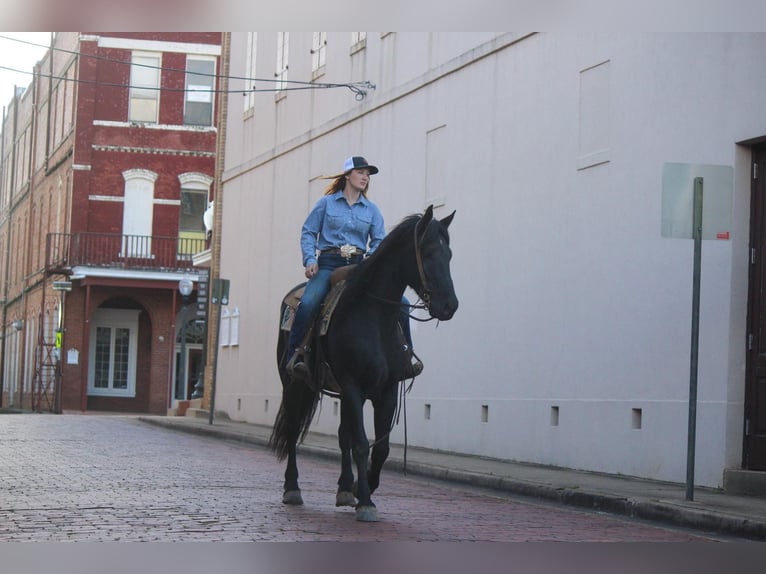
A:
(337, 251)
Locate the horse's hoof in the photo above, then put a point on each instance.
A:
(366, 514)
(292, 497)
(345, 498)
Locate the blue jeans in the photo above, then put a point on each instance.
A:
(316, 290)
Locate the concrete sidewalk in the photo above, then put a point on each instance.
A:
(711, 510)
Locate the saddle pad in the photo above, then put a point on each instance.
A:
(292, 299)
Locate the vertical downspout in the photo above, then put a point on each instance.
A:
(27, 271)
(11, 186)
(215, 271)
(5, 294)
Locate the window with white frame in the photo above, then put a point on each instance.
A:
(193, 206)
(225, 330)
(234, 327)
(144, 87)
(113, 353)
(283, 44)
(195, 191)
(358, 41)
(250, 60)
(200, 86)
(138, 212)
(318, 52)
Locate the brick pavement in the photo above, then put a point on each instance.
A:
(114, 478)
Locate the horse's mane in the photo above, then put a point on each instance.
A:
(394, 241)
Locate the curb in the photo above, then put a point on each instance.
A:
(654, 511)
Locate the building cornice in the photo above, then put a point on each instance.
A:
(153, 151)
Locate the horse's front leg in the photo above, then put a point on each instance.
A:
(352, 418)
(345, 495)
(385, 407)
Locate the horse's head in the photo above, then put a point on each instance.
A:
(433, 255)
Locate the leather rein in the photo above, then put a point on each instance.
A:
(425, 296)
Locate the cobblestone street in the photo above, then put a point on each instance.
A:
(114, 478)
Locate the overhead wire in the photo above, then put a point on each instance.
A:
(358, 88)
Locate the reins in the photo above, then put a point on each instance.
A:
(425, 296)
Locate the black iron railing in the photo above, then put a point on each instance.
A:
(63, 251)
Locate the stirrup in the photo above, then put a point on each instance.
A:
(296, 367)
(414, 367)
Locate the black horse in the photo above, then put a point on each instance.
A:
(363, 347)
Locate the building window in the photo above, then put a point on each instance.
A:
(318, 53)
(252, 44)
(195, 191)
(144, 88)
(358, 41)
(200, 86)
(283, 40)
(193, 206)
(138, 212)
(113, 354)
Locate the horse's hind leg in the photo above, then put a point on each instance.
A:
(292, 492)
(385, 407)
(295, 410)
(345, 495)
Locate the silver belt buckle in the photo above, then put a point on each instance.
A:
(347, 251)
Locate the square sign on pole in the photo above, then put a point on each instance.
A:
(696, 204)
(678, 200)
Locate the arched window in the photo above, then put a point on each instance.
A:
(138, 212)
(195, 193)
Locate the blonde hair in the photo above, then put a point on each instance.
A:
(339, 183)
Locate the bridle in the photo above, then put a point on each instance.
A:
(425, 294)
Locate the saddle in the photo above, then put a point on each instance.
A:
(322, 378)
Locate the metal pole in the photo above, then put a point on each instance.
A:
(215, 363)
(180, 380)
(59, 380)
(697, 234)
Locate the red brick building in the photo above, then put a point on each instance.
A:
(108, 163)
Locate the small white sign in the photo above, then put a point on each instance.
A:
(72, 357)
(199, 94)
(678, 200)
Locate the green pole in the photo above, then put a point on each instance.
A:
(691, 440)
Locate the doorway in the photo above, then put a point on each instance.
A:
(754, 444)
(192, 370)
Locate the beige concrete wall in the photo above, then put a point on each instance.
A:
(551, 148)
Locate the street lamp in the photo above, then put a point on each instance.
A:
(62, 287)
(185, 286)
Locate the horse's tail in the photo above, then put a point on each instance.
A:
(299, 403)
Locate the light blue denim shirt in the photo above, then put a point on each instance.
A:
(333, 222)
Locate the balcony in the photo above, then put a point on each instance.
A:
(63, 251)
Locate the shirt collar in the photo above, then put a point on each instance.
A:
(362, 199)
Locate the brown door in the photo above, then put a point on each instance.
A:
(755, 387)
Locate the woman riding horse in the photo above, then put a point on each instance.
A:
(339, 228)
(363, 349)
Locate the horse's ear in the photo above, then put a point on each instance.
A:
(447, 220)
(422, 225)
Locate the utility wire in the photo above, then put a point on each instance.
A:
(358, 88)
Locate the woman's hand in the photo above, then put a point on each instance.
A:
(311, 270)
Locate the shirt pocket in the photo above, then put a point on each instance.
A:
(334, 224)
(363, 222)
